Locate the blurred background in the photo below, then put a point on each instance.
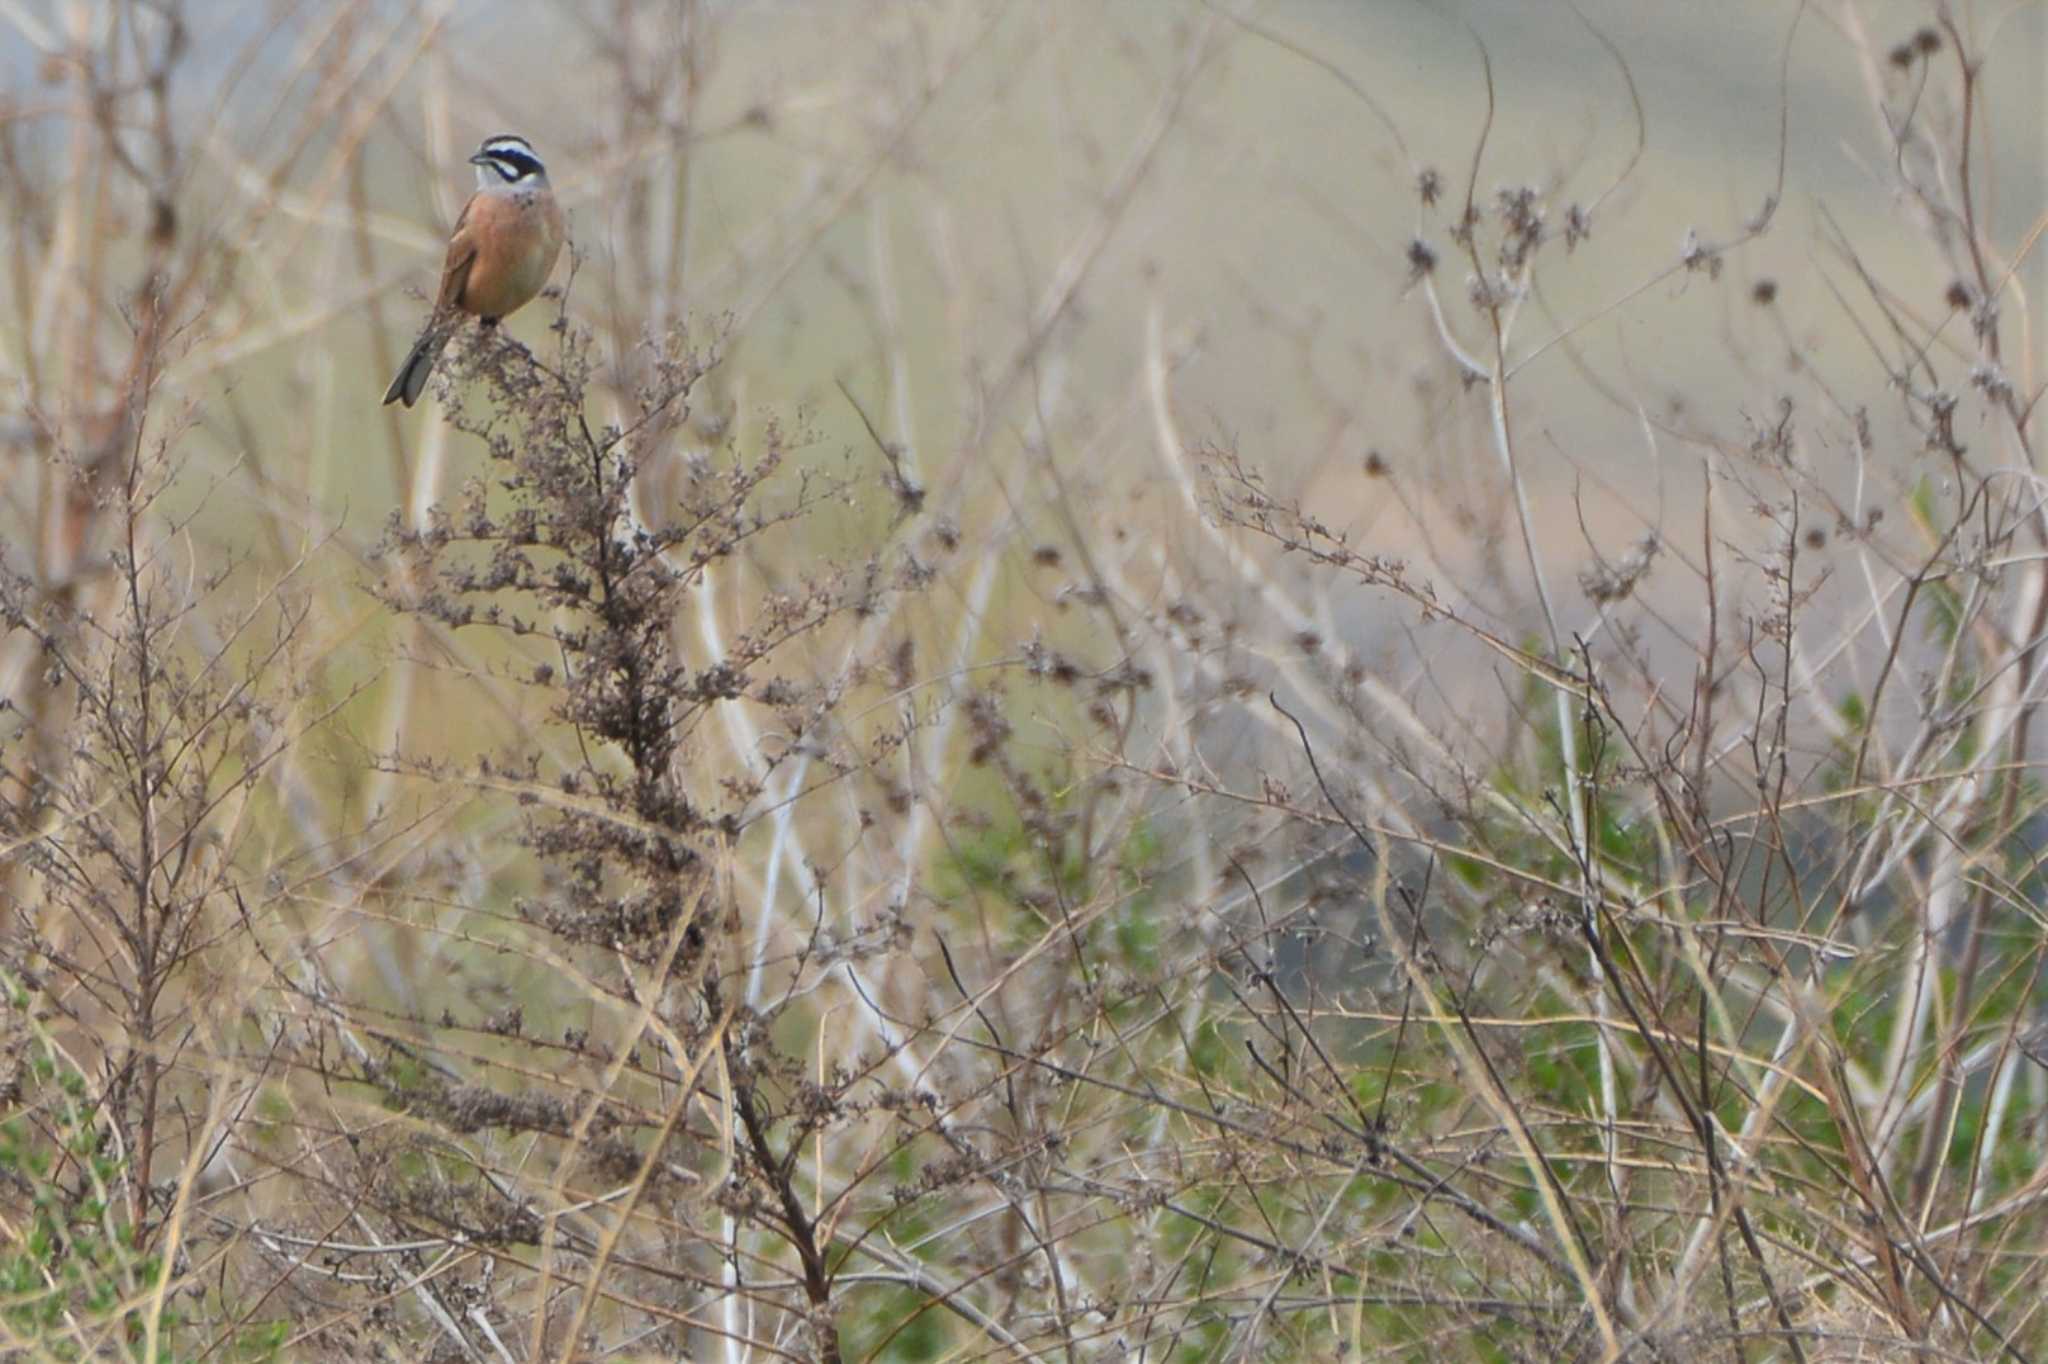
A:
(970, 214)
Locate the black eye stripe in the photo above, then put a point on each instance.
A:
(512, 164)
(511, 156)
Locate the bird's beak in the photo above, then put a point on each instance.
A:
(479, 159)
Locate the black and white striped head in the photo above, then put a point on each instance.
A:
(507, 160)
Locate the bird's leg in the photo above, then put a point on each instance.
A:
(507, 342)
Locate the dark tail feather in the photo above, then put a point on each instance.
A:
(412, 375)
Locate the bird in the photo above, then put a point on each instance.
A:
(501, 252)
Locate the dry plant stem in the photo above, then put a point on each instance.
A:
(1057, 298)
(819, 213)
(2007, 1072)
(1242, 567)
(685, 1093)
(691, 1066)
(1474, 1063)
(982, 977)
(787, 846)
(1501, 318)
(1956, 204)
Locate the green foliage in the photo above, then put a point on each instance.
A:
(1840, 766)
(72, 1259)
(1205, 1338)
(1209, 1049)
(874, 1327)
(1033, 859)
(73, 1285)
(1561, 1062)
(1470, 870)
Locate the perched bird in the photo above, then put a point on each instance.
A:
(501, 252)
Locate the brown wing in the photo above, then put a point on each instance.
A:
(461, 256)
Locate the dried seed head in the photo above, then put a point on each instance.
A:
(1578, 225)
(1421, 259)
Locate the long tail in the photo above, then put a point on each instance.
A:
(412, 375)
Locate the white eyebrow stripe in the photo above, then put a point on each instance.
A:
(512, 158)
